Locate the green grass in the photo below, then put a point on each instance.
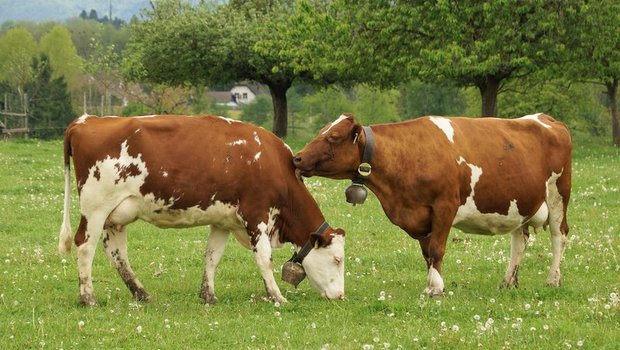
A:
(385, 276)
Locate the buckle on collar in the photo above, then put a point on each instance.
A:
(364, 169)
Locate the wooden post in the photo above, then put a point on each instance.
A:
(27, 133)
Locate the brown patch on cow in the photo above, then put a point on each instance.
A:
(80, 235)
(97, 174)
(126, 171)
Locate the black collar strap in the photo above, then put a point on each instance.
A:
(364, 169)
(298, 257)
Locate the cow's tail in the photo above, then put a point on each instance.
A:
(65, 240)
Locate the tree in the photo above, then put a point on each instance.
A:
(17, 49)
(257, 111)
(418, 99)
(243, 40)
(465, 42)
(50, 109)
(594, 47)
(62, 54)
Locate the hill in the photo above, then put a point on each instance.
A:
(60, 10)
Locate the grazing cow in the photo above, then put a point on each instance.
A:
(179, 171)
(488, 176)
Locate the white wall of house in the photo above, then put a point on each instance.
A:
(243, 94)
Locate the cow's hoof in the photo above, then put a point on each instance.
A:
(141, 295)
(508, 284)
(554, 283)
(279, 299)
(88, 300)
(433, 292)
(208, 298)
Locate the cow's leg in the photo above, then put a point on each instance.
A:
(262, 254)
(517, 249)
(115, 247)
(86, 240)
(558, 226)
(215, 249)
(434, 247)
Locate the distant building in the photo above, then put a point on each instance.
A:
(238, 95)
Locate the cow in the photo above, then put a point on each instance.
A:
(482, 175)
(182, 171)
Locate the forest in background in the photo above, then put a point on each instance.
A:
(383, 61)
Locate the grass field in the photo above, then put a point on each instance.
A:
(386, 274)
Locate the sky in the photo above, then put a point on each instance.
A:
(60, 10)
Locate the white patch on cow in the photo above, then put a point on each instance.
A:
(145, 116)
(256, 138)
(288, 148)
(229, 120)
(535, 117)
(268, 228)
(164, 173)
(325, 268)
(257, 156)
(237, 142)
(341, 118)
(82, 119)
(111, 180)
(445, 125)
(469, 219)
(539, 219)
(434, 283)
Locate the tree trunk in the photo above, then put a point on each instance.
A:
(280, 107)
(489, 88)
(612, 92)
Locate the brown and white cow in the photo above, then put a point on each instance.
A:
(488, 176)
(179, 171)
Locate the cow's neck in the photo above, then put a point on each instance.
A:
(301, 216)
(387, 166)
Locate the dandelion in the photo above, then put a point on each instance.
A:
(527, 306)
(277, 313)
(368, 346)
(139, 329)
(477, 317)
(276, 304)
(376, 339)
(81, 324)
(579, 343)
(455, 328)
(381, 296)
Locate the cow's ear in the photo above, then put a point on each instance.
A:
(317, 240)
(339, 232)
(356, 130)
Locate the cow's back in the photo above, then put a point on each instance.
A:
(178, 162)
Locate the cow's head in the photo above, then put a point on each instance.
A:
(324, 264)
(334, 153)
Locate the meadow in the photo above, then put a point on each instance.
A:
(383, 309)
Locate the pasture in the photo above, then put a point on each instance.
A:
(384, 308)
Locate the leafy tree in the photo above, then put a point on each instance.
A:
(254, 40)
(463, 42)
(594, 47)
(372, 105)
(257, 111)
(17, 49)
(50, 100)
(418, 98)
(63, 57)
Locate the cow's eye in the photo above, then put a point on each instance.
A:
(334, 138)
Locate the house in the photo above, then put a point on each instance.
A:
(239, 94)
